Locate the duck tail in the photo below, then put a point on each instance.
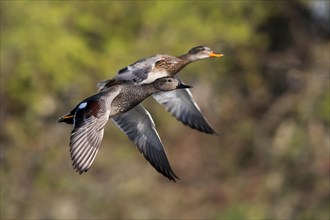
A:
(68, 118)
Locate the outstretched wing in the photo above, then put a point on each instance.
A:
(182, 106)
(86, 136)
(138, 125)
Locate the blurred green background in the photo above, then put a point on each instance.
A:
(268, 97)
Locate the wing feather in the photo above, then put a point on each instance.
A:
(182, 106)
(138, 125)
(86, 138)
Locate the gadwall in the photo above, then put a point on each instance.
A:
(90, 116)
(179, 103)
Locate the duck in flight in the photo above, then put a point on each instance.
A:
(90, 116)
(179, 103)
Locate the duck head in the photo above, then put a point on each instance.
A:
(169, 83)
(202, 52)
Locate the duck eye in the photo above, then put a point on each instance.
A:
(169, 80)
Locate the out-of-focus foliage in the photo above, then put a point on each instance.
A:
(268, 98)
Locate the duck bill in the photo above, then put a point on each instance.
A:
(183, 86)
(218, 55)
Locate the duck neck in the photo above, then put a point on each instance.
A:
(129, 98)
(149, 89)
(187, 58)
(142, 92)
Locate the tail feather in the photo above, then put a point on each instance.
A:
(66, 118)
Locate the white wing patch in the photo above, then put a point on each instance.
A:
(82, 105)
